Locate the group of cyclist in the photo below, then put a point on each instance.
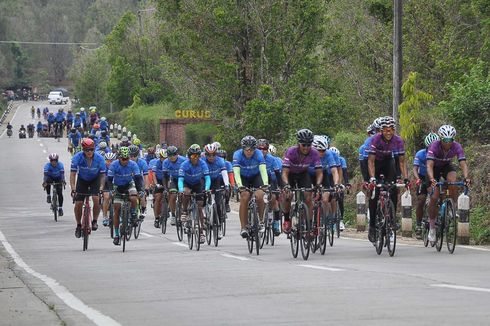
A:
(312, 166)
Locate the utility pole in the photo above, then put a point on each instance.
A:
(397, 56)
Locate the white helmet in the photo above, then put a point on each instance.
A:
(447, 131)
(217, 144)
(102, 119)
(272, 149)
(335, 150)
(82, 109)
(319, 143)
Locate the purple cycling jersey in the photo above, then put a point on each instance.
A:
(436, 153)
(384, 149)
(298, 163)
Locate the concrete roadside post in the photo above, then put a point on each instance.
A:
(119, 132)
(111, 131)
(361, 211)
(407, 214)
(464, 219)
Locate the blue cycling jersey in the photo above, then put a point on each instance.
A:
(229, 167)
(273, 166)
(149, 158)
(39, 126)
(60, 117)
(343, 162)
(193, 174)
(420, 161)
(367, 145)
(83, 116)
(103, 125)
(123, 175)
(249, 167)
(69, 117)
(361, 152)
(77, 122)
(75, 138)
(152, 164)
(51, 118)
(55, 172)
(216, 167)
(142, 166)
(85, 172)
(328, 162)
(171, 169)
(157, 168)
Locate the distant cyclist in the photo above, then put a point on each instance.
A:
(54, 173)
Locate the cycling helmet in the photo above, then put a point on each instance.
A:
(96, 126)
(151, 150)
(387, 122)
(447, 131)
(376, 123)
(326, 139)
(136, 141)
(304, 136)
(371, 129)
(69, 110)
(221, 153)
(102, 119)
(102, 145)
(82, 109)
(73, 130)
(88, 143)
(123, 152)
(430, 138)
(103, 133)
(101, 152)
(78, 113)
(172, 150)
(263, 144)
(124, 139)
(163, 153)
(272, 149)
(110, 156)
(319, 143)
(134, 150)
(248, 142)
(210, 148)
(53, 157)
(194, 149)
(217, 144)
(60, 110)
(335, 150)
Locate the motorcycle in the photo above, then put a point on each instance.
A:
(30, 132)
(22, 134)
(9, 132)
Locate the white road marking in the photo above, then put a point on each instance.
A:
(461, 287)
(40, 144)
(331, 269)
(180, 244)
(475, 248)
(45, 151)
(147, 235)
(235, 257)
(66, 296)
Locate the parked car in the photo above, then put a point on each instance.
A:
(57, 97)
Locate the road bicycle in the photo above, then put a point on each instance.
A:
(253, 222)
(320, 228)
(192, 226)
(213, 225)
(86, 218)
(54, 199)
(300, 235)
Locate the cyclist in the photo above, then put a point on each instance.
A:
(217, 173)
(59, 119)
(33, 111)
(150, 155)
(439, 156)
(231, 177)
(109, 158)
(385, 147)
(45, 113)
(274, 168)
(38, 111)
(39, 128)
(420, 172)
(94, 116)
(74, 138)
(250, 171)
(83, 116)
(372, 130)
(102, 146)
(170, 174)
(69, 119)
(91, 170)
(104, 137)
(95, 130)
(158, 180)
(125, 142)
(297, 160)
(137, 142)
(191, 174)
(124, 174)
(54, 172)
(78, 122)
(104, 125)
(142, 189)
(51, 122)
(344, 179)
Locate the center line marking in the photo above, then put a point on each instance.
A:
(147, 235)
(331, 269)
(179, 244)
(461, 287)
(235, 257)
(40, 144)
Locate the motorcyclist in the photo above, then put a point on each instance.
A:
(9, 126)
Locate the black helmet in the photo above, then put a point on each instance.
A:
(103, 133)
(304, 136)
(249, 142)
(221, 153)
(73, 130)
(172, 150)
(194, 149)
(263, 144)
(134, 150)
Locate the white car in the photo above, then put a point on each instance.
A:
(56, 97)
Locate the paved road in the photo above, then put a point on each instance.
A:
(159, 281)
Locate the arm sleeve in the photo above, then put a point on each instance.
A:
(263, 174)
(231, 176)
(224, 174)
(138, 179)
(238, 178)
(345, 175)
(181, 184)
(279, 178)
(207, 182)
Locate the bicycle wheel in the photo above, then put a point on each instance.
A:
(190, 235)
(255, 229)
(197, 229)
(451, 227)
(129, 230)
(294, 238)
(322, 234)
(208, 226)
(137, 230)
(250, 235)
(262, 233)
(111, 220)
(164, 216)
(440, 225)
(216, 227)
(54, 204)
(338, 217)
(315, 240)
(390, 228)
(178, 224)
(123, 226)
(379, 236)
(425, 232)
(223, 224)
(85, 235)
(330, 230)
(304, 232)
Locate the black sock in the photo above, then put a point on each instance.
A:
(286, 217)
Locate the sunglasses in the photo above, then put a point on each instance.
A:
(447, 140)
(321, 150)
(88, 150)
(53, 160)
(263, 149)
(124, 158)
(210, 155)
(194, 155)
(249, 149)
(305, 145)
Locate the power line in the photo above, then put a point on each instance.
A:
(49, 43)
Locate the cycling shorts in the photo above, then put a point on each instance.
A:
(130, 189)
(84, 187)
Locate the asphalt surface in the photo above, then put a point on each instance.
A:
(158, 280)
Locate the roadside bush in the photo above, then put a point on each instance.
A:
(199, 133)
